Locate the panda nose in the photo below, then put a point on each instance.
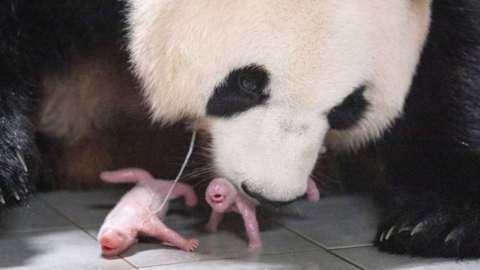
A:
(262, 200)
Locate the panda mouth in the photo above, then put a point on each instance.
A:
(262, 200)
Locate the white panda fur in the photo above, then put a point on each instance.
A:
(316, 53)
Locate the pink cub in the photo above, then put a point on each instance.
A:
(138, 212)
(223, 197)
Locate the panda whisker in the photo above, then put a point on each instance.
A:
(198, 172)
(201, 182)
(204, 149)
(203, 155)
(315, 178)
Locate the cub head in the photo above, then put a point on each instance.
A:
(275, 80)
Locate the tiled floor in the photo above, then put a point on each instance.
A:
(58, 232)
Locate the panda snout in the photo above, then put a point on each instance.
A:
(262, 199)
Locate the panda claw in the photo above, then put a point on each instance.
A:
(405, 229)
(22, 160)
(2, 200)
(382, 237)
(419, 228)
(390, 232)
(452, 236)
(15, 194)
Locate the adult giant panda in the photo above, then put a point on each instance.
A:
(275, 80)
(272, 82)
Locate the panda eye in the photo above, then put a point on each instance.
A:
(350, 111)
(242, 89)
(250, 79)
(248, 82)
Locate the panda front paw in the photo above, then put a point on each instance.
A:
(429, 227)
(15, 177)
(19, 164)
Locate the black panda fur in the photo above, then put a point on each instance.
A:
(433, 153)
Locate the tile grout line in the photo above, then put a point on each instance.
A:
(319, 245)
(352, 247)
(60, 213)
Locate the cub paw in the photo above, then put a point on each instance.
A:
(191, 245)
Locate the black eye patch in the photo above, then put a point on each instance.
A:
(348, 113)
(241, 90)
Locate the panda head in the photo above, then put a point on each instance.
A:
(275, 80)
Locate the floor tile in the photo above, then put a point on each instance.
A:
(34, 217)
(334, 222)
(291, 261)
(84, 208)
(60, 249)
(90, 208)
(370, 258)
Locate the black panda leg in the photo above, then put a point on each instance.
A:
(434, 208)
(429, 227)
(433, 153)
(18, 153)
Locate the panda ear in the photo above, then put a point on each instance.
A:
(348, 113)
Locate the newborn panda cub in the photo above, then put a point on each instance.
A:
(223, 197)
(140, 212)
